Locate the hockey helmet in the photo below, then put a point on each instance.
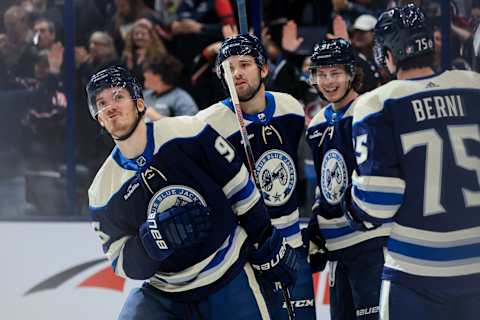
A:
(240, 45)
(332, 52)
(111, 77)
(405, 32)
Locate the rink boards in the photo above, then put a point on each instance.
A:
(56, 270)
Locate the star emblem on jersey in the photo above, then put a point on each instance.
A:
(334, 176)
(277, 175)
(174, 195)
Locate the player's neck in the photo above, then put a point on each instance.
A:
(136, 143)
(256, 104)
(342, 103)
(414, 73)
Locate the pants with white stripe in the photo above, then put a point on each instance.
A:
(240, 299)
(400, 302)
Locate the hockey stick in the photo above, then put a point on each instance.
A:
(250, 159)
(242, 16)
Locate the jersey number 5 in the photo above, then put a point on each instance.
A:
(433, 167)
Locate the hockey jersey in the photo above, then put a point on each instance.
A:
(329, 137)
(417, 145)
(274, 135)
(190, 162)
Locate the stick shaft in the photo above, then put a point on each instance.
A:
(250, 158)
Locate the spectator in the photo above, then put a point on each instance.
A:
(163, 97)
(127, 12)
(142, 43)
(44, 33)
(362, 41)
(20, 53)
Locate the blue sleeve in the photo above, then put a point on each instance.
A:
(377, 184)
(228, 171)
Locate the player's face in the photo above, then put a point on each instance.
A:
(246, 75)
(117, 111)
(332, 81)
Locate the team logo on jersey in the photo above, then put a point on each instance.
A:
(334, 177)
(276, 171)
(175, 195)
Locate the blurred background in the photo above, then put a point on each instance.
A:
(52, 148)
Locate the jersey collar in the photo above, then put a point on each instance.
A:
(139, 163)
(334, 116)
(263, 117)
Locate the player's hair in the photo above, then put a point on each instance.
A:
(423, 61)
(166, 66)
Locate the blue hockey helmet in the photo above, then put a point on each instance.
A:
(111, 77)
(240, 45)
(405, 32)
(332, 52)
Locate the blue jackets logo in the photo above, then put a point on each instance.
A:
(174, 195)
(276, 171)
(334, 179)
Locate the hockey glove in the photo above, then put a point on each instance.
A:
(276, 260)
(316, 246)
(176, 228)
(355, 224)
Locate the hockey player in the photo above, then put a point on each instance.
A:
(173, 204)
(274, 122)
(417, 142)
(355, 257)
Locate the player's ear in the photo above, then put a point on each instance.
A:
(100, 122)
(141, 105)
(264, 71)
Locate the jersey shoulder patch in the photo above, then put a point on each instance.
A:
(219, 117)
(287, 104)
(109, 179)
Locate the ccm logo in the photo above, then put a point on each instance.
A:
(300, 303)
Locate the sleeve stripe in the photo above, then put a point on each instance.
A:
(244, 206)
(115, 255)
(378, 198)
(379, 184)
(375, 210)
(243, 193)
(237, 183)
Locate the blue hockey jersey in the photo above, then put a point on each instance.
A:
(417, 145)
(191, 162)
(274, 135)
(329, 136)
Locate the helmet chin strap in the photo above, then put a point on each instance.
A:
(132, 129)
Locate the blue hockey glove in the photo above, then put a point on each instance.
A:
(176, 228)
(355, 224)
(276, 260)
(316, 246)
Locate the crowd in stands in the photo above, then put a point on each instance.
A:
(171, 46)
